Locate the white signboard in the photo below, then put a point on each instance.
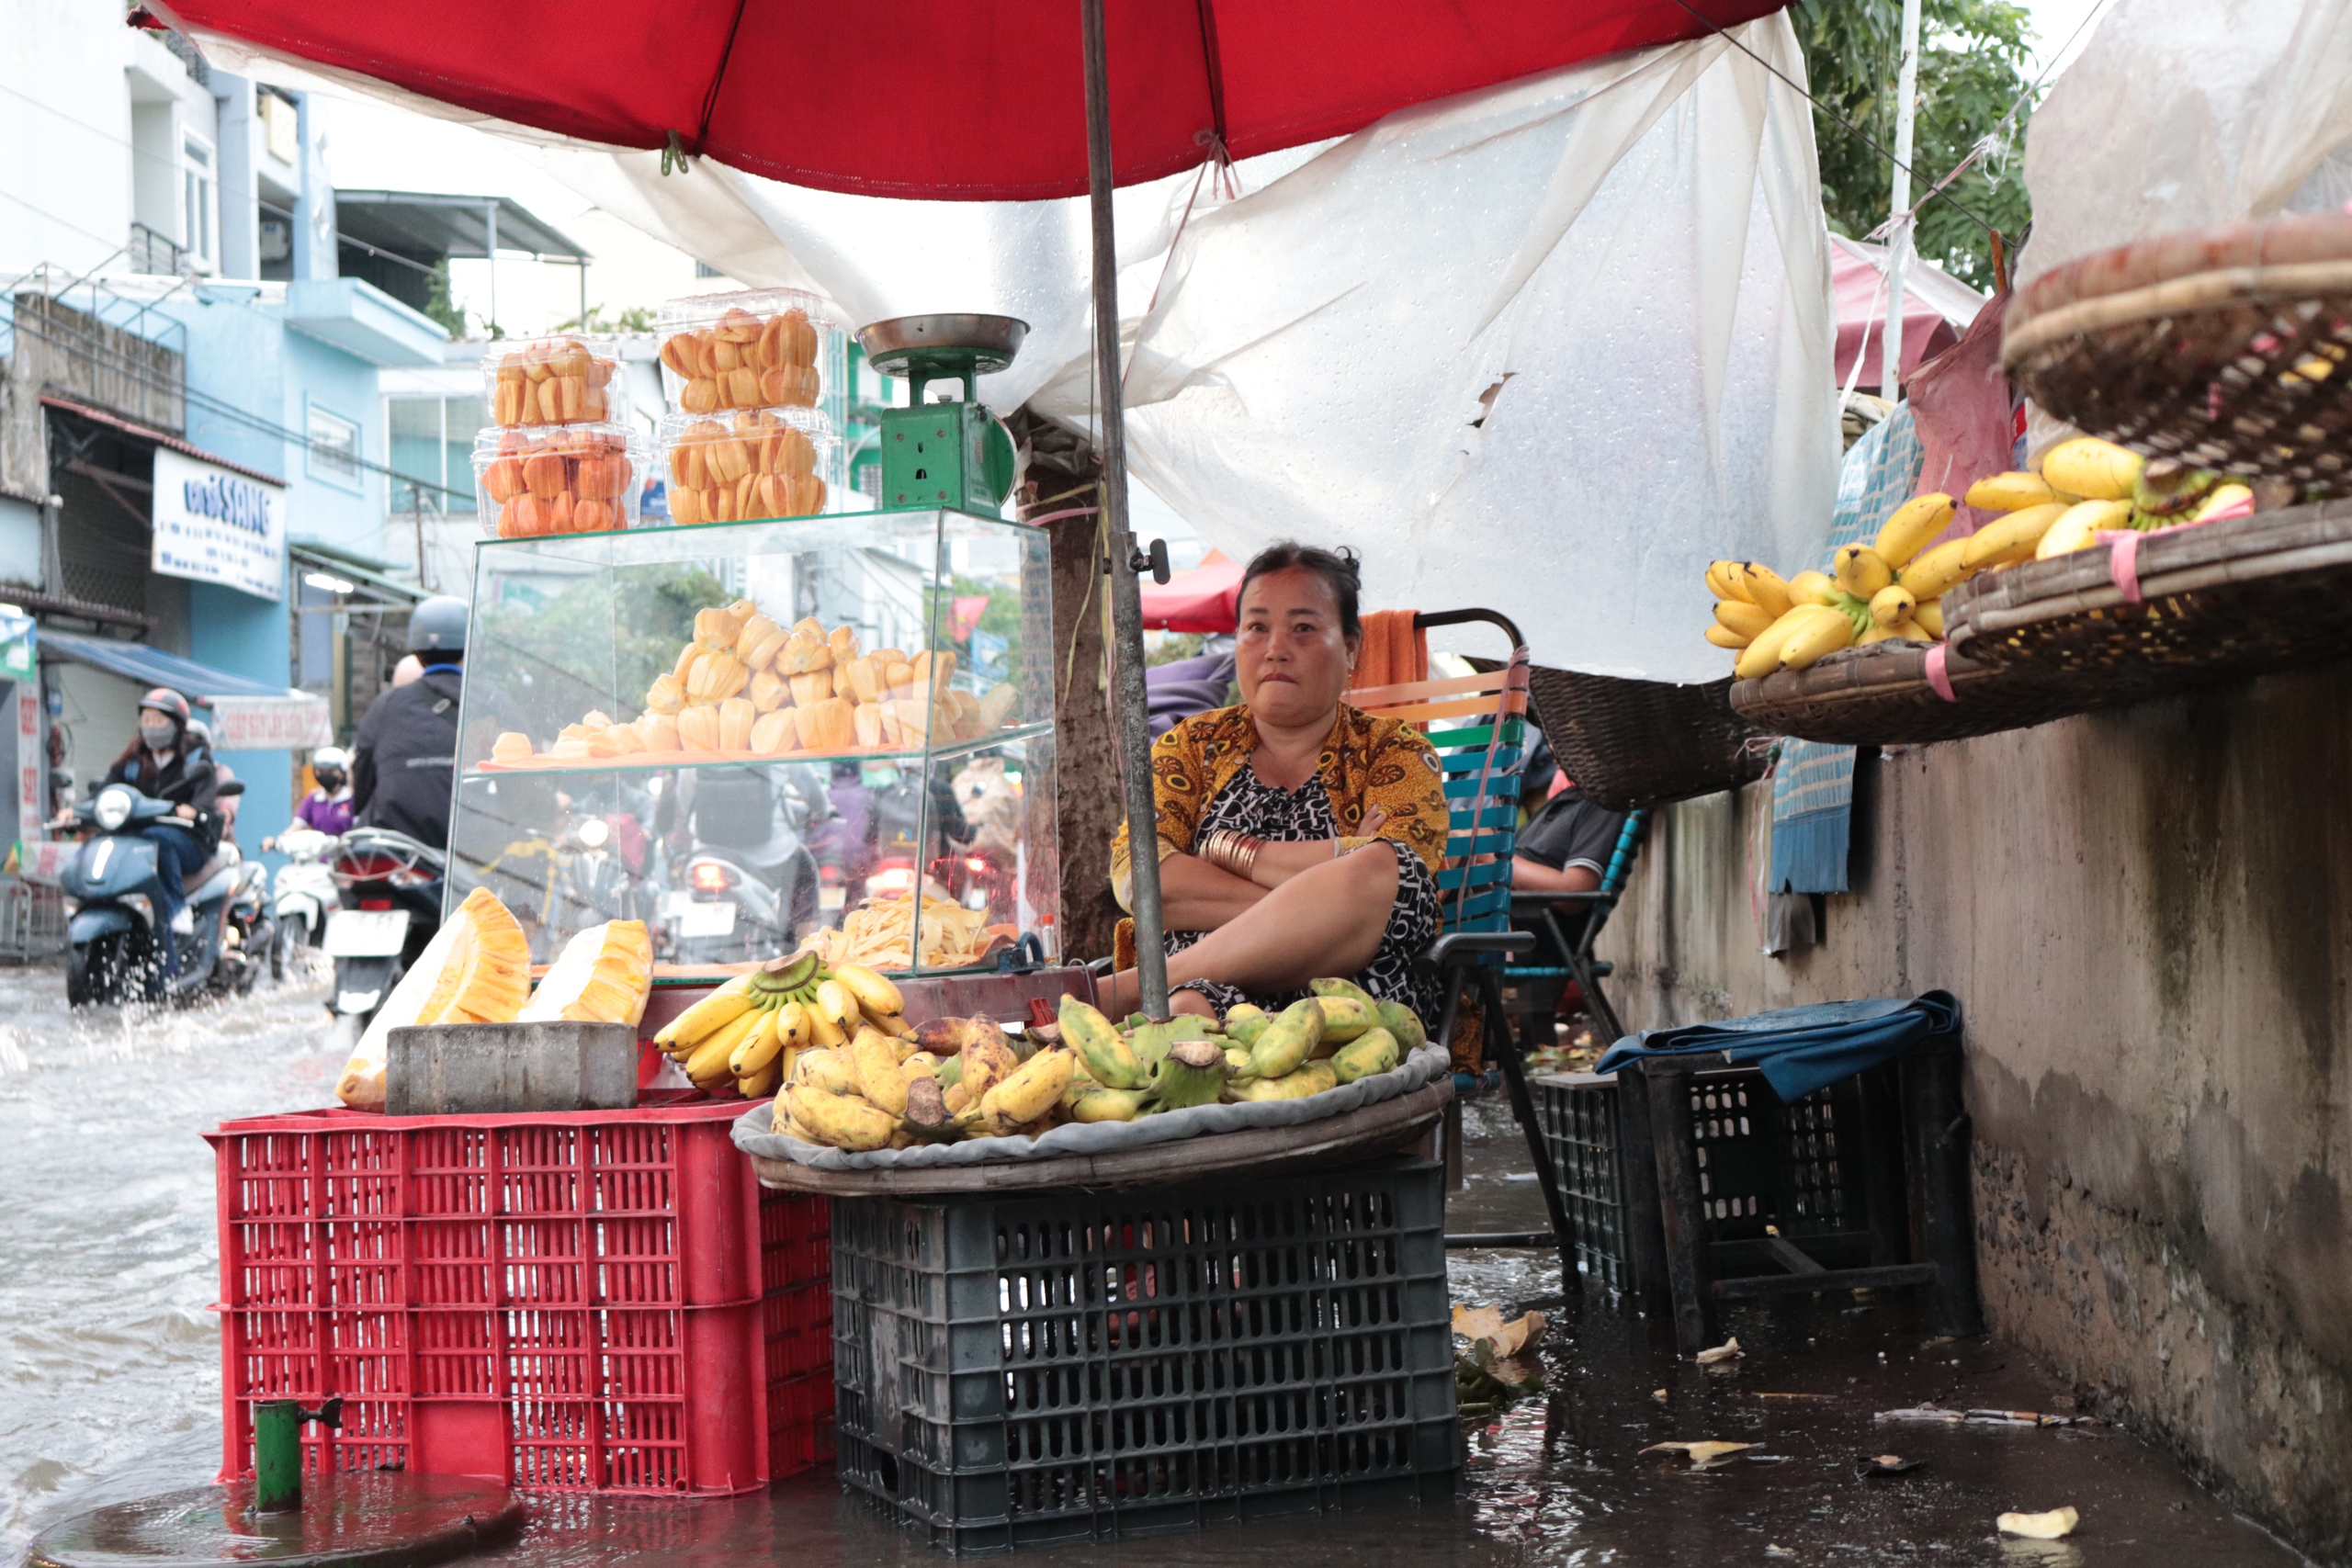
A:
(215, 525)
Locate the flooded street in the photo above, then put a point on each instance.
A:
(109, 1381)
(109, 1255)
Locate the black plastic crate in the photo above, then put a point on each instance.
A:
(1020, 1370)
(1798, 1167)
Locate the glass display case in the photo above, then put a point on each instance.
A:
(757, 736)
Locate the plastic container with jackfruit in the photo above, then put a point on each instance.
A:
(563, 381)
(751, 464)
(570, 479)
(760, 348)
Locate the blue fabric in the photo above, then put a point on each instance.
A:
(1812, 785)
(1803, 1049)
(177, 854)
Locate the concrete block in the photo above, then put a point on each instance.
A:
(484, 1068)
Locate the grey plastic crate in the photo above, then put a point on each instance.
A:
(1579, 1115)
(1025, 1371)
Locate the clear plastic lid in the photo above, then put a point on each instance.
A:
(734, 468)
(758, 348)
(581, 478)
(556, 380)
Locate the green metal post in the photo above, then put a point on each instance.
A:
(277, 1456)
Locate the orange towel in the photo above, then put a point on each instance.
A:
(1394, 651)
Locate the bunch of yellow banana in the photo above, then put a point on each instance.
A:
(743, 1036)
(2087, 487)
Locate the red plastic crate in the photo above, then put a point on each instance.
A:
(590, 1302)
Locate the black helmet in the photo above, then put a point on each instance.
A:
(163, 699)
(437, 626)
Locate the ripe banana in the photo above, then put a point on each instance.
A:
(722, 1006)
(1892, 604)
(1296, 1030)
(1762, 656)
(1739, 616)
(2222, 501)
(838, 1120)
(1722, 637)
(2012, 539)
(1100, 1104)
(1909, 526)
(827, 1069)
(1765, 589)
(838, 1004)
(709, 1059)
(877, 1065)
(1374, 1051)
(875, 995)
(2092, 468)
(1312, 1078)
(1813, 588)
(1929, 618)
(1110, 1059)
(1824, 635)
(2013, 492)
(763, 1083)
(2078, 528)
(1723, 580)
(1028, 1093)
(1930, 575)
(758, 1051)
(1861, 571)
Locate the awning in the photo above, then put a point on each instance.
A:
(347, 568)
(149, 432)
(1205, 599)
(247, 715)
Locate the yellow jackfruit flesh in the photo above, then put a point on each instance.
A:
(602, 975)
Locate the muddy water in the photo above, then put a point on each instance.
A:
(109, 1385)
(108, 1256)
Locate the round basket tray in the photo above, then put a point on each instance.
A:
(2230, 348)
(2217, 601)
(1636, 743)
(1262, 1151)
(1880, 695)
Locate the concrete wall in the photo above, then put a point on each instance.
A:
(2147, 916)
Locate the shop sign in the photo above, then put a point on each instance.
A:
(216, 526)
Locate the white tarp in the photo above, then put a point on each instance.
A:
(2190, 114)
(1545, 348)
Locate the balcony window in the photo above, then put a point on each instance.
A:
(432, 443)
(334, 448)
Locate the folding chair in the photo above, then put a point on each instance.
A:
(1574, 922)
(1478, 724)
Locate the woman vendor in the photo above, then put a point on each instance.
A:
(1299, 837)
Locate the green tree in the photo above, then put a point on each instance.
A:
(1974, 59)
(599, 643)
(439, 306)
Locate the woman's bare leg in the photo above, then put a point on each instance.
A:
(1321, 923)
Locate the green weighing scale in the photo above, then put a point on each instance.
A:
(951, 454)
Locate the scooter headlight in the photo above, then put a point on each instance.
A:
(113, 808)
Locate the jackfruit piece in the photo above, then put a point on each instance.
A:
(602, 975)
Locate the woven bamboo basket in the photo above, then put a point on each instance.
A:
(2214, 602)
(1637, 743)
(2229, 349)
(1880, 695)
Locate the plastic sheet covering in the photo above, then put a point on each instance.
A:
(755, 1133)
(1547, 347)
(2190, 114)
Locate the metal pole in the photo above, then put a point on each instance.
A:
(1906, 94)
(277, 1456)
(489, 249)
(1130, 705)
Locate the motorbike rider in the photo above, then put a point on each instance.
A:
(403, 765)
(326, 809)
(165, 763)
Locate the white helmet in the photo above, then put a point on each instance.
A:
(330, 757)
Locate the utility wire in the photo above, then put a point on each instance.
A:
(1939, 194)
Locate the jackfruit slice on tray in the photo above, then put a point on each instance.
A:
(477, 969)
(602, 975)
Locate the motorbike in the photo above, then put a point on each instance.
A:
(390, 886)
(750, 887)
(302, 894)
(113, 899)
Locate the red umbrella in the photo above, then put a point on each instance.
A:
(1205, 599)
(959, 100)
(949, 99)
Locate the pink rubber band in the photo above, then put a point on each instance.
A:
(2124, 562)
(1939, 678)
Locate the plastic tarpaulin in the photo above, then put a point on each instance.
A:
(1205, 599)
(1800, 1050)
(1547, 347)
(1937, 307)
(2190, 114)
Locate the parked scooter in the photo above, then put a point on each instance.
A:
(115, 947)
(391, 890)
(302, 897)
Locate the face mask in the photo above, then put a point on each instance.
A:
(155, 736)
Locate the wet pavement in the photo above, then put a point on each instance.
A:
(109, 1387)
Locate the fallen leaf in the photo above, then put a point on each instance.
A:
(1476, 1323)
(1514, 1374)
(2051, 1526)
(1701, 1452)
(1886, 1464)
(1722, 1352)
(1658, 1394)
(1511, 1337)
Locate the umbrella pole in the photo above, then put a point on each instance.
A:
(1130, 705)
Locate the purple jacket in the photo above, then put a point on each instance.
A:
(331, 816)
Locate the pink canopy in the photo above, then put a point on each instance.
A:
(1205, 599)
(1937, 307)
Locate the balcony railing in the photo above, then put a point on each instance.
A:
(155, 254)
(78, 338)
